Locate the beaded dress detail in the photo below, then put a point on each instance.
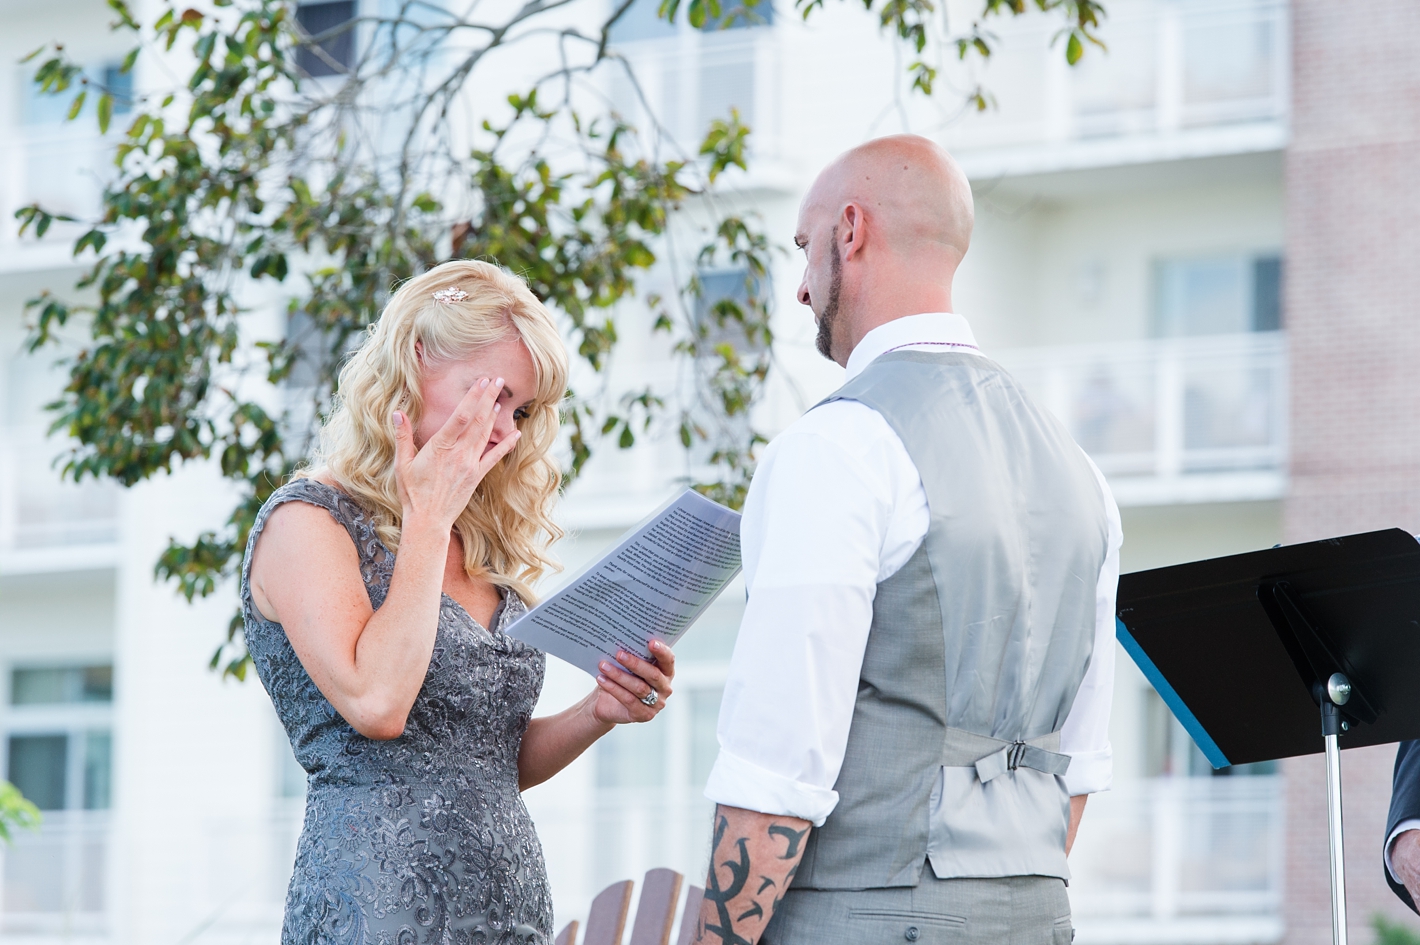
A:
(423, 838)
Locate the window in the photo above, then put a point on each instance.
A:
(42, 108)
(720, 291)
(59, 743)
(1217, 295)
(335, 54)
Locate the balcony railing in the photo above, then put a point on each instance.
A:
(41, 513)
(1173, 68)
(1177, 419)
(1181, 860)
(1177, 860)
(55, 879)
(687, 80)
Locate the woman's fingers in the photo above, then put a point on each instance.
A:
(638, 676)
(664, 657)
(467, 413)
(636, 710)
(500, 449)
(485, 414)
(404, 449)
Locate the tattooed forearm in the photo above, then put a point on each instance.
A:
(748, 843)
(793, 836)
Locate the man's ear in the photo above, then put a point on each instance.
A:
(852, 231)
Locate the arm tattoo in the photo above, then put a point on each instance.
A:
(739, 872)
(734, 912)
(792, 836)
(788, 881)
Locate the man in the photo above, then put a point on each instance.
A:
(1402, 836)
(923, 676)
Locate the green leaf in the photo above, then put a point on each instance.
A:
(1074, 49)
(105, 112)
(76, 106)
(16, 812)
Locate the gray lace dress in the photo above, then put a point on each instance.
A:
(423, 838)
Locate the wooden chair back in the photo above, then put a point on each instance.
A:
(568, 935)
(606, 919)
(691, 916)
(655, 912)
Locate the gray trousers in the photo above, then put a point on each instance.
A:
(1011, 910)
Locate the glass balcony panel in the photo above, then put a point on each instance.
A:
(1230, 420)
(1172, 847)
(1167, 408)
(1117, 92)
(1170, 67)
(38, 509)
(56, 878)
(1231, 66)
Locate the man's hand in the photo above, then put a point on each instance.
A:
(1405, 862)
(752, 862)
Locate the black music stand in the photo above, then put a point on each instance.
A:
(1244, 649)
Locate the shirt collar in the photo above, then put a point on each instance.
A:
(944, 331)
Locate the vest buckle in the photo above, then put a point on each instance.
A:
(1015, 754)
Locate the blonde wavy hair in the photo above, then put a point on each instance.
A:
(507, 526)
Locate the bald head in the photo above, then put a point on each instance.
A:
(917, 197)
(883, 230)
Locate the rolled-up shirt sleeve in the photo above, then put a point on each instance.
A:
(1085, 736)
(815, 523)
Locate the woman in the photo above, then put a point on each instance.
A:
(375, 593)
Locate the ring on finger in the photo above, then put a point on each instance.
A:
(650, 698)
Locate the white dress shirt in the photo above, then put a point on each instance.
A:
(836, 507)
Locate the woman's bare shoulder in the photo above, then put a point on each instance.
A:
(302, 544)
(297, 528)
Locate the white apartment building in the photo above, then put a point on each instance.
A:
(1127, 265)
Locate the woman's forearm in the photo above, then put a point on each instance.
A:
(392, 653)
(553, 742)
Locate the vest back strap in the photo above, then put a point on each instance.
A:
(993, 757)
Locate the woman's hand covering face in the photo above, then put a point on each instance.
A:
(437, 480)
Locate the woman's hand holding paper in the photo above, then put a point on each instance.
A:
(624, 689)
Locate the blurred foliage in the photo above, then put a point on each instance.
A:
(1392, 933)
(16, 813)
(251, 183)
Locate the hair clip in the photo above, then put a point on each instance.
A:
(451, 294)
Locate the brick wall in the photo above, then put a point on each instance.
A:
(1353, 319)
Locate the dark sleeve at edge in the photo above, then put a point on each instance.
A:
(1404, 805)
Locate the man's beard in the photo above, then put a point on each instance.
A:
(826, 318)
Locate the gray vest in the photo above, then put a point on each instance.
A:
(978, 644)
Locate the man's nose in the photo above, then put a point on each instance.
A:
(803, 295)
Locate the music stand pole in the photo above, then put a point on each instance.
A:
(1337, 693)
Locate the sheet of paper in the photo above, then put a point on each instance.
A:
(655, 582)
